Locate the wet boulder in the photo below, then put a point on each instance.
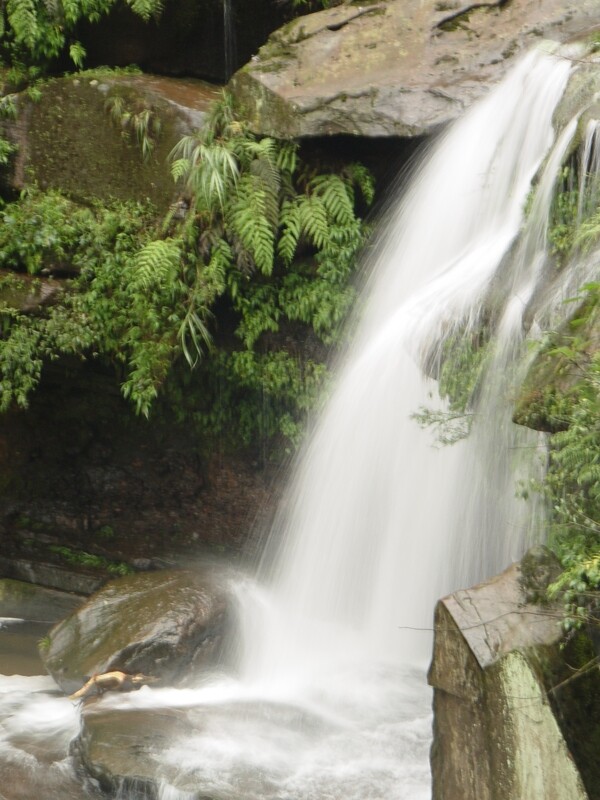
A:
(115, 133)
(394, 67)
(166, 624)
(515, 715)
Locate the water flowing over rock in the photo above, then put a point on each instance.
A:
(167, 625)
(328, 697)
(499, 731)
(395, 68)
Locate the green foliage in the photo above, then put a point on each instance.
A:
(459, 366)
(79, 558)
(140, 120)
(32, 32)
(112, 306)
(563, 215)
(572, 483)
(254, 208)
(77, 54)
(266, 241)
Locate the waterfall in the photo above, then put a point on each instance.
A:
(376, 527)
(229, 39)
(330, 698)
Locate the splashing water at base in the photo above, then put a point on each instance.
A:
(331, 700)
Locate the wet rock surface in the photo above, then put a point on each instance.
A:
(395, 68)
(88, 489)
(166, 624)
(26, 614)
(503, 725)
(99, 158)
(26, 601)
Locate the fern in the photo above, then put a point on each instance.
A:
(360, 175)
(249, 221)
(287, 158)
(145, 8)
(337, 197)
(77, 54)
(156, 264)
(314, 219)
(24, 22)
(291, 230)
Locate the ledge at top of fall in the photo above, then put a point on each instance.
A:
(393, 67)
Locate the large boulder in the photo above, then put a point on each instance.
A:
(167, 624)
(393, 68)
(83, 135)
(511, 719)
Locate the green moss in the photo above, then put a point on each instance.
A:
(74, 147)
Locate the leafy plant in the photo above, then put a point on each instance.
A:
(458, 365)
(143, 122)
(32, 32)
(257, 254)
(572, 482)
(80, 558)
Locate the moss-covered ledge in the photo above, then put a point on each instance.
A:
(557, 373)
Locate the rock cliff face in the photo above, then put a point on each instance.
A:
(504, 728)
(393, 68)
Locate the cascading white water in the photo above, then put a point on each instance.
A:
(368, 538)
(378, 522)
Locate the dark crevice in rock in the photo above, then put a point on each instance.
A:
(452, 20)
(361, 11)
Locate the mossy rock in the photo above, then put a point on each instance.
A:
(68, 140)
(554, 379)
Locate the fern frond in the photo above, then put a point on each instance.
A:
(337, 197)
(145, 8)
(269, 180)
(77, 54)
(23, 20)
(69, 9)
(313, 217)
(291, 230)
(363, 178)
(287, 157)
(156, 264)
(180, 169)
(249, 221)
